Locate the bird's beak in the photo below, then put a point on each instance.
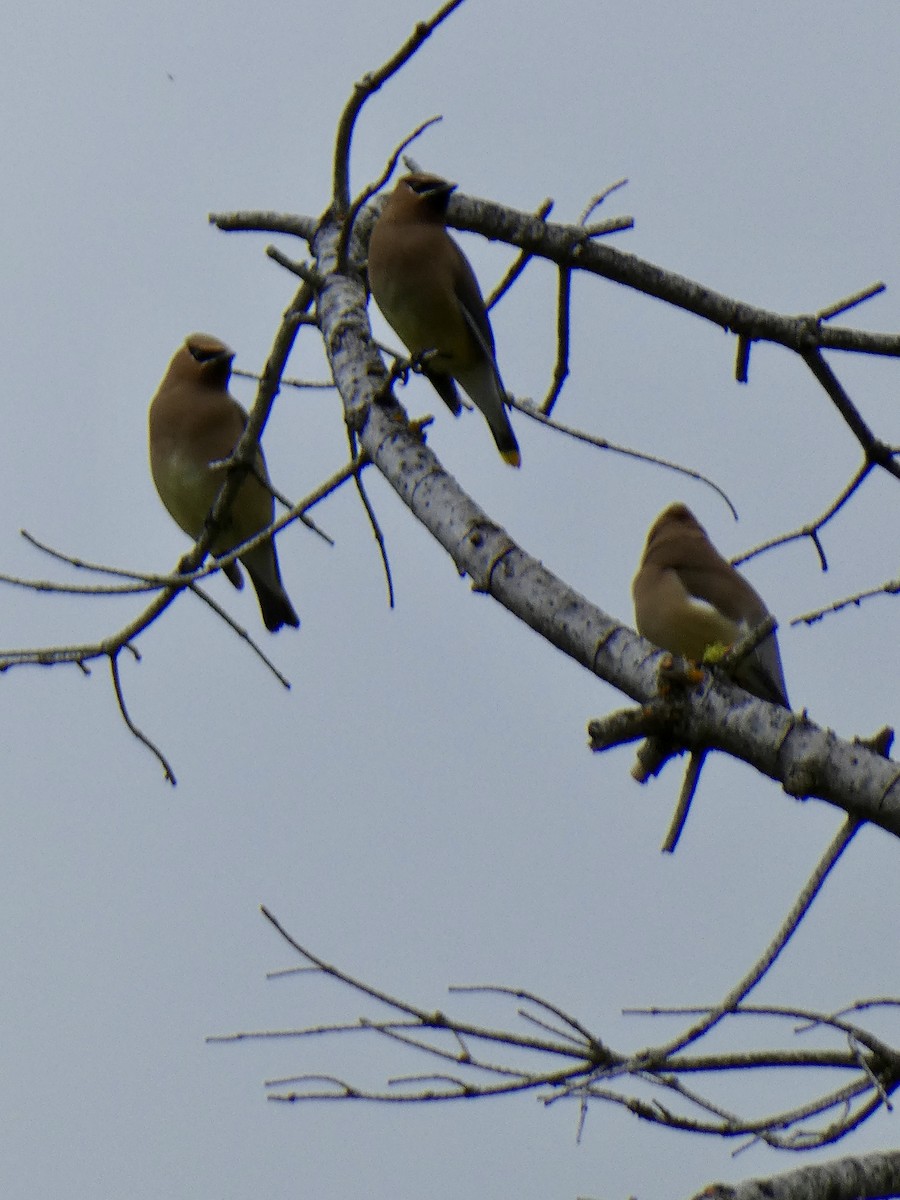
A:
(444, 188)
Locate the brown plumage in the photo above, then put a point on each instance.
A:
(428, 293)
(687, 598)
(194, 422)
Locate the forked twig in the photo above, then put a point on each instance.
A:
(367, 87)
(589, 1067)
(372, 189)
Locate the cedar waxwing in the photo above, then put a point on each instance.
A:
(428, 293)
(195, 422)
(688, 598)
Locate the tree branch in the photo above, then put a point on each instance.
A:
(864, 1177)
(807, 760)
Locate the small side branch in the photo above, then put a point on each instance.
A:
(565, 1060)
(139, 734)
(537, 414)
(890, 587)
(366, 88)
(561, 367)
(813, 528)
(519, 263)
(877, 453)
(798, 911)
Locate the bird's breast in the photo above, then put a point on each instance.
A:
(671, 617)
(424, 312)
(185, 488)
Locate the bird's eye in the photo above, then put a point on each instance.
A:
(202, 355)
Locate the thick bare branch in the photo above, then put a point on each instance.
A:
(864, 1177)
(568, 246)
(807, 760)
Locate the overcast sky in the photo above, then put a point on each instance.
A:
(420, 807)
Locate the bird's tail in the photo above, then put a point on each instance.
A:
(446, 389)
(484, 385)
(276, 607)
(274, 602)
(505, 438)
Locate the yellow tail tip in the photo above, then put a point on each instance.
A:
(513, 457)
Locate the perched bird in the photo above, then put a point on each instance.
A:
(688, 598)
(195, 425)
(428, 293)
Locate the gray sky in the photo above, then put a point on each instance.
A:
(420, 807)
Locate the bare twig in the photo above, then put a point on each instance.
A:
(685, 799)
(315, 384)
(789, 927)
(561, 366)
(812, 528)
(141, 737)
(890, 588)
(842, 306)
(143, 580)
(579, 435)
(242, 633)
(259, 221)
(376, 533)
(300, 269)
(589, 1067)
(363, 90)
(584, 1036)
(519, 263)
(594, 203)
(349, 221)
(168, 586)
(283, 500)
(876, 451)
